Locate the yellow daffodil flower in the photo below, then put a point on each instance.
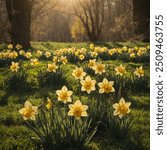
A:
(29, 111)
(49, 104)
(106, 86)
(52, 67)
(91, 46)
(28, 55)
(94, 54)
(18, 46)
(47, 54)
(78, 73)
(64, 95)
(132, 55)
(14, 67)
(22, 52)
(120, 70)
(121, 108)
(78, 110)
(81, 57)
(64, 60)
(39, 53)
(139, 71)
(10, 46)
(55, 59)
(88, 85)
(92, 63)
(34, 62)
(99, 68)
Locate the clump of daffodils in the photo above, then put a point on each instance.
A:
(121, 108)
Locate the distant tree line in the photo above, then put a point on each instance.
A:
(77, 20)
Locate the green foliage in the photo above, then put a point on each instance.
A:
(2, 97)
(141, 84)
(111, 132)
(51, 79)
(119, 128)
(17, 81)
(17, 137)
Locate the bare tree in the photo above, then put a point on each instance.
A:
(91, 13)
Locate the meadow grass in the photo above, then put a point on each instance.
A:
(14, 133)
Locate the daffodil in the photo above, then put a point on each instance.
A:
(78, 110)
(120, 70)
(55, 59)
(39, 53)
(106, 86)
(91, 46)
(121, 108)
(64, 95)
(92, 63)
(13, 54)
(99, 68)
(139, 71)
(52, 67)
(29, 111)
(14, 67)
(124, 48)
(78, 73)
(49, 104)
(88, 85)
(47, 54)
(64, 60)
(148, 47)
(34, 62)
(22, 52)
(94, 54)
(110, 52)
(28, 55)
(132, 55)
(10, 46)
(81, 57)
(18, 46)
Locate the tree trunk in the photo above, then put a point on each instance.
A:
(19, 14)
(141, 11)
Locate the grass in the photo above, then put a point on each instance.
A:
(14, 133)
